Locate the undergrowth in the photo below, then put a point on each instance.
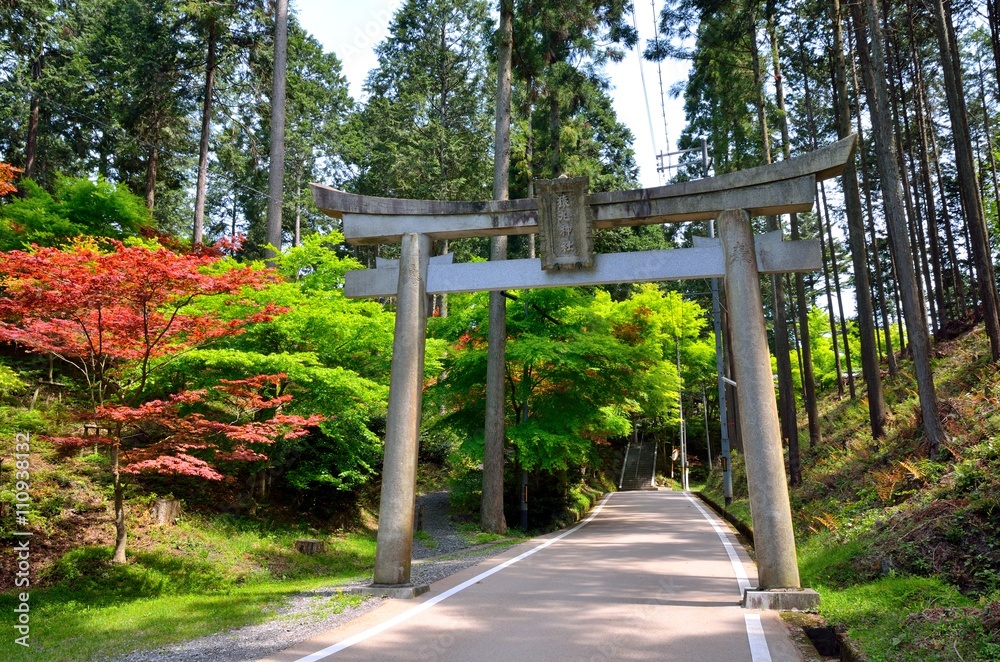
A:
(904, 548)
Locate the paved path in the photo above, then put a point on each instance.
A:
(650, 576)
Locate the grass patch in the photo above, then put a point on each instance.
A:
(426, 539)
(203, 576)
(911, 619)
(482, 537)
(65, 628)
(896, 617)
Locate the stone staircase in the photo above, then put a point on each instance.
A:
(639, 466)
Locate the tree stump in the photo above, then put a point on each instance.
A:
(165, 511)
(310, 546)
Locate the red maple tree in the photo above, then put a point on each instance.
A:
(116, 315)
(7, 175)
(110, 314)
(190, 433)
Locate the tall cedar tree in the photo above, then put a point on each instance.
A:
(856, 237)
(562, 45)
(426, 130)
(491, 516)
(867, 25)
(276, 162)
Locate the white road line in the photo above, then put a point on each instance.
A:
(741, 573)
(755, 630)
(755, 633)
(424, 606)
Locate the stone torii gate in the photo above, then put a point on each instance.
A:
(564, 215)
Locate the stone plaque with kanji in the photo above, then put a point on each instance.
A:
(564, 223)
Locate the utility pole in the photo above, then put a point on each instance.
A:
(680, 405)
(727, 476)
(708, 441)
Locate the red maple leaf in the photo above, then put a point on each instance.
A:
(98, 309)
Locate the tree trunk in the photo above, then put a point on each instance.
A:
(121, 535)
(297, 231)
(165, 512)
(310, 546)
(866, 184)
(152, 163)
(786, 399)
(911, 203)
(873, 70)
(829, 295)
(957, 282)
(786, 385)
(993, 14)
(491, 517)
(856, 237)
(276, 162)
(31, 144)
(206, 129)
(988, 132)
(848, 363)
(809, 376)
(967, 182)
(925, 177)
(555, 133)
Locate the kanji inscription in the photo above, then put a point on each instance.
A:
(564, 223)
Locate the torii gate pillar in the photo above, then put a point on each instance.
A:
(774, 537)
(402, 430)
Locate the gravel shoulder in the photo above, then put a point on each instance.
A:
(309, 614)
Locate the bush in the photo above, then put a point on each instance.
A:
(467, 491)
(10, 382)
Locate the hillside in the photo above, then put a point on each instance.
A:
(905, 550)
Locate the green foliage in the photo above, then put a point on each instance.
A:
(335, 353)
(466, 485)
(582, 365)
(582, 498)
(76, 206)
(18, 419)
(569, 125)
(10, 381)
(344, 453)
(353, 334)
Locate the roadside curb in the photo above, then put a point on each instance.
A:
(744, 530)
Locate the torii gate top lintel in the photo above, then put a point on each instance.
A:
(778, 188)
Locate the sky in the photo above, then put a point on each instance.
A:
(352, 29)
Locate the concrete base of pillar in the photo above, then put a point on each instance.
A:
(781, 599)
(398, 591)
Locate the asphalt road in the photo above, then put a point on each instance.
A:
(650, 576)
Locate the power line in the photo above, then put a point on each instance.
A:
(659, 72)
(645, 94)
